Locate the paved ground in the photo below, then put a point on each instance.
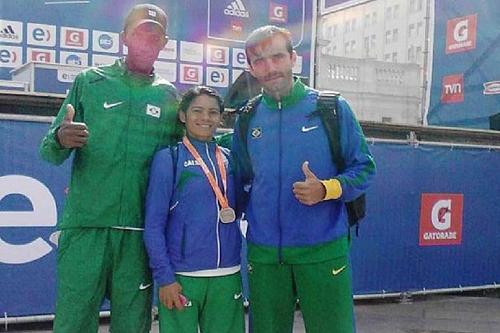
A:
(477, 313)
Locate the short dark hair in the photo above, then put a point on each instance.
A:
(267, 32)
(194, 92)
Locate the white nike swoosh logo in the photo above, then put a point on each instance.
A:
(107, 105)
(337, 271)
(308, 129)
(237, 296)
(143, 286)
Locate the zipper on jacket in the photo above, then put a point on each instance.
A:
(216, 205)
(280, 250)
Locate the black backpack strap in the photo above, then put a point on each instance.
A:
(327, 108)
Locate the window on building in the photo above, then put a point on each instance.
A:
(366, 22)
(395, 12)
(334, 30)
(388, 36)
(387, 119)
(411, 30)
(413, 5)
(418, 53)
(387, 57)
(388, 13)
(366, 44)
(395, 35)
(334, 50)
(353, 46)
(419, 28)
(374, 18)
(347, 26)
(353, 24)
(411, 54)
(346, 48)
(420, 5)
(394, 57)
(373, 41)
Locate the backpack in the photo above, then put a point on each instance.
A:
(327, 111)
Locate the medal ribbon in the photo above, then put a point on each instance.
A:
(222, 198)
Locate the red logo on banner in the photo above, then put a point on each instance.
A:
(217, 55)
(441, 219)
(278, 13)
(453, 89)
(42, 56)
(191, 74)
(74, 38)
(461, 34)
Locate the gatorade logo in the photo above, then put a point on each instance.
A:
(441, 219)
(42, 55)
(42, 214)
(191, 74)
(278, 13)
(74, 38)
(217, 55)
(461, 34)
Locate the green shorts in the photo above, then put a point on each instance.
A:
(93, 263)
(215, 305)
(323, 289)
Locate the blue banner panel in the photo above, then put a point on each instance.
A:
(206, 43)
(31, 199)
(465, 87)
(406, 242)
(433, 220)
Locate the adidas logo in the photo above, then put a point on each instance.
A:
(9, 33)
(236, 8)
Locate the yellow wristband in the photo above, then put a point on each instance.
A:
(333, 189)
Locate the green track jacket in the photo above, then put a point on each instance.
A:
(129, 118)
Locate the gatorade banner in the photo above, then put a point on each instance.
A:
(465, 89)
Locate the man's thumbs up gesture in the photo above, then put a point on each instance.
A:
(71, 134)
(311, 190)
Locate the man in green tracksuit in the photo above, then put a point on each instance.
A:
(114, 119)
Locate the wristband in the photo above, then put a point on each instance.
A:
(333, 189)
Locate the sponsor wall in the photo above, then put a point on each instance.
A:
(431, 223)
(206, 37)
(465, 87)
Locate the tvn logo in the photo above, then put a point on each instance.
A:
(41, 34)
(217, 55)
(41, 55)
(278, 13)
(461, 34)
(441, 219)
(11, 31)
(236, 8)
(191, 74)
(217, 77)
(10, 56)
(453, 89)
(73, 38)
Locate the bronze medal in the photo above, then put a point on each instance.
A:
(227, 215)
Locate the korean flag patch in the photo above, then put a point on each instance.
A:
(153, 111)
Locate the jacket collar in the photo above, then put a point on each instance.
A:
(296, 94)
